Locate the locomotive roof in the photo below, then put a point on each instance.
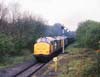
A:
(50, 39)
(61, 37)
(45, 39)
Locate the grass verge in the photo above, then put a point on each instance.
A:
(13, 60)
(81, 62)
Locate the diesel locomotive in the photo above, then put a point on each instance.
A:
(47, 47)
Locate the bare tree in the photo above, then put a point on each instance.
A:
(3, 15)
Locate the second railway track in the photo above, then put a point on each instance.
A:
(30, 71)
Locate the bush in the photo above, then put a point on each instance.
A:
(88, 34)
(6, 45)
(9, 46)
(93, 70)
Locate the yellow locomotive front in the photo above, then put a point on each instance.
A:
(41, 48)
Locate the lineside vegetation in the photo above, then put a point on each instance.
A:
(88, 36)
(18, 32)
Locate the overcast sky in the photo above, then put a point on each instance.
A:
(67, 12)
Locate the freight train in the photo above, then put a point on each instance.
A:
(47, 47)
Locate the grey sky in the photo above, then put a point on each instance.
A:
(67, 12)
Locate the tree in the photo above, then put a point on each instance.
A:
(88, 34)
(19, 33)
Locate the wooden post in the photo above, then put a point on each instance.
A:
(55, 59)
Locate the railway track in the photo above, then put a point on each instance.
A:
(30, 70)
(26, 69)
